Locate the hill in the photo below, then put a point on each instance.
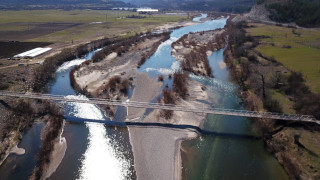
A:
(236, 6)
(61, 4)
(24, 2)
(302, 12)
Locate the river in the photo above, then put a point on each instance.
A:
(219, 157)
(95, 151)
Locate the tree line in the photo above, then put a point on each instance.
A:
(261, 79)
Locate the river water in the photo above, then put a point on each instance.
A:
(224, 157)
(95, 151)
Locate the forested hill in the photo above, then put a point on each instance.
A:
(302, 12)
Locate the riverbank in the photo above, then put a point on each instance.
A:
(53, 146)
(261, 79)
(57, 154)
(12, 148)
(19, 117)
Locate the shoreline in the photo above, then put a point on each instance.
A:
(13, 150)
(57, 154)
(53, 147)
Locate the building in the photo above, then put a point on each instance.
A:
(32, 53)
(147, 10)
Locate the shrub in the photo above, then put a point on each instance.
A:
(286, 46)
(23, 107)
(125, 85)
(160, 78)
(168, 98)
(253, 58)
(3, 86)
(309, 104)
(112, 84)
(272, 105)
(180, 84)
(296, 85)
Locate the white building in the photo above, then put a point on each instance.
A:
(32, 53)
(147, 10)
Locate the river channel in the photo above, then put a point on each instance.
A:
(96, 151)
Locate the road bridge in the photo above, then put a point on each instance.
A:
(173, 107)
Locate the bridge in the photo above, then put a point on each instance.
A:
(135, 104)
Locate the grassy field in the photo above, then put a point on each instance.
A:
(79, 24)
(297, 49)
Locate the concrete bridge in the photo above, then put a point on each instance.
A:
(217, 111)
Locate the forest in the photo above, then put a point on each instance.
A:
(303, 12)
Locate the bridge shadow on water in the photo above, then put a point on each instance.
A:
(163, 125)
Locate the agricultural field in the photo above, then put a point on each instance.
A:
(297, 49)
(76, 25)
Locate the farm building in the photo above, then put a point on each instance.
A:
(32, 53)
(147, 10)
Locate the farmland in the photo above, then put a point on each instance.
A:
(297, 49)
(76, 25)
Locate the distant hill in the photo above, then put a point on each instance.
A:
(22, 2)
(237, 6)
(303, 12)
(61, 4)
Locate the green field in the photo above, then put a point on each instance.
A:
(81, 24)
(303, 55)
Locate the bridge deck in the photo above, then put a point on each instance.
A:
(229, 112)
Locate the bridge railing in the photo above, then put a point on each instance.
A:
(207, 110)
